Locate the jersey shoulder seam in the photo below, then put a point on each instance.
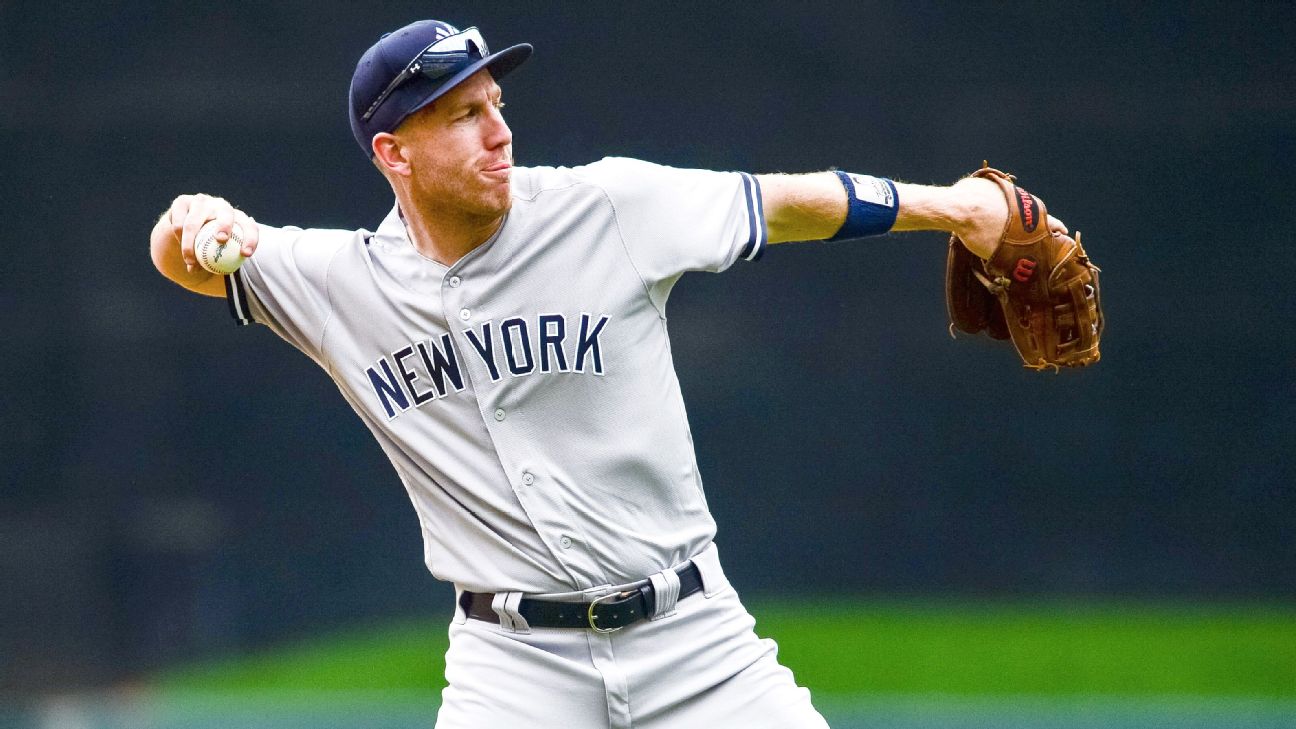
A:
(625, 247)
(328, 315)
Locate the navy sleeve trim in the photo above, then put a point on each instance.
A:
(757, 237)
(236, 295)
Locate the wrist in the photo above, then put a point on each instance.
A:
(979, 212)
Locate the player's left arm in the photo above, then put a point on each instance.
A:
(814, 207)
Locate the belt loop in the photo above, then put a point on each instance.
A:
(461, 615)
(713, 577)
(505, 605)
(666, 588)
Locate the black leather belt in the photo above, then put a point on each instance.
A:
(606, 614)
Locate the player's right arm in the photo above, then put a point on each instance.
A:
(171, 243)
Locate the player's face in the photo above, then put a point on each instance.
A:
(461, 150)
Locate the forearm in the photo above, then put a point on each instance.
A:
(973, 208)
(814, 206)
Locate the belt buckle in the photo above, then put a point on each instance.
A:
(593, 619)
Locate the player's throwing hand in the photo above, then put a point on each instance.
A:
(188, 214)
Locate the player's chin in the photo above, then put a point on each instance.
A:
(496, 190)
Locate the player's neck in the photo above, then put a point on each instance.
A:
(446, 238)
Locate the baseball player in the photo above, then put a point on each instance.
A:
(502, 333)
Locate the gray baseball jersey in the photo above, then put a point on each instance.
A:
(525, 395)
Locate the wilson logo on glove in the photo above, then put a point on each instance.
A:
(1024, 270)
(1029, 209)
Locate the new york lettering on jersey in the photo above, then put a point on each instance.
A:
(540, 345)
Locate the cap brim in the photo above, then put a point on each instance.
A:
(500, 64)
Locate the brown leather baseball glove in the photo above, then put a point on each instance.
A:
(1038, 288)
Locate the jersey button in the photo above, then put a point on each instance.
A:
(454, 282)
(565, 542)
(527, 478)
(499, 413)
(465, 314)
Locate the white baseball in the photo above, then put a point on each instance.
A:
(218, 257)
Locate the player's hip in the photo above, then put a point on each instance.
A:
(680, 665)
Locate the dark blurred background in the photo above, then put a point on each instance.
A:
(172, 486)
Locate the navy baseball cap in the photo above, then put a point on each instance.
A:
(410, 68)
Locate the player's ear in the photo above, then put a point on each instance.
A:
(389, 154)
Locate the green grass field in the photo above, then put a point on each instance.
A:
(873, 665)
(841, 649)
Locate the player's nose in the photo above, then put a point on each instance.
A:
(497, 130)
